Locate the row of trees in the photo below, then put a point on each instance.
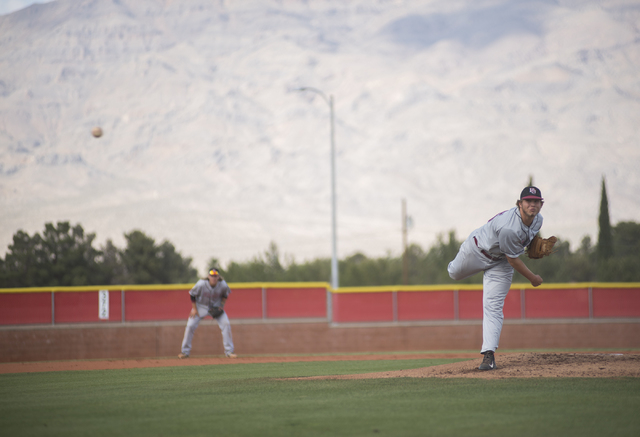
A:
(64, 256)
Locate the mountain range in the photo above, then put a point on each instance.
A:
(208, 142)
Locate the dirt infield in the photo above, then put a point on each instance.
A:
(509, 365)
(57, 366)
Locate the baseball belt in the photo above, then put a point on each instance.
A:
(485, 253)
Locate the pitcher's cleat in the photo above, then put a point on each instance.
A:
(231, 355)
(183, 356)
(489, 361)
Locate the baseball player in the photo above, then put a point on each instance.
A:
(495, 249)
(208, 297)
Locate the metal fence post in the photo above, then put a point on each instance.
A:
(329, 305)
(264, 303)
(456, 303)
(394, 303)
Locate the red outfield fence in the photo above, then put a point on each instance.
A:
(317, 302)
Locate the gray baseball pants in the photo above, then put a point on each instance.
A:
(496, 283)
(192, 325)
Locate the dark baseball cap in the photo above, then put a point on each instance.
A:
(531, 193)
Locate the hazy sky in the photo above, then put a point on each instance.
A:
(9, 6)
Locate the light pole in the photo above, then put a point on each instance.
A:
(334, 248)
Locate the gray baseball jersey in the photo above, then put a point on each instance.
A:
(207, 296)
(505, 234)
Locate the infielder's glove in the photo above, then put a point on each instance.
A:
(540, 247)
(216, 312)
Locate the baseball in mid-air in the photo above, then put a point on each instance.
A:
(96, 132)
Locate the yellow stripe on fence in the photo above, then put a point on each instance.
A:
(151, 287)
(325, 285)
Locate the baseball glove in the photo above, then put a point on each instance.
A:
(540, 247)
(216, 312)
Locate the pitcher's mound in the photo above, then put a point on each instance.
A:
(524, 365)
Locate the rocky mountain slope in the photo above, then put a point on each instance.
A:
(451, 105)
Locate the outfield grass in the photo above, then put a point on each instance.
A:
(251, 400)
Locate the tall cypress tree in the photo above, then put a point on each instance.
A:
(605, 236)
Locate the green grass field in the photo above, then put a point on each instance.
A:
(252, 400)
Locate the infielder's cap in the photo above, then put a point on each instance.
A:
(213, 272)
(531, 193)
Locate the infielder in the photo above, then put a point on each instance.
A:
(208, 297)
(495, 249)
